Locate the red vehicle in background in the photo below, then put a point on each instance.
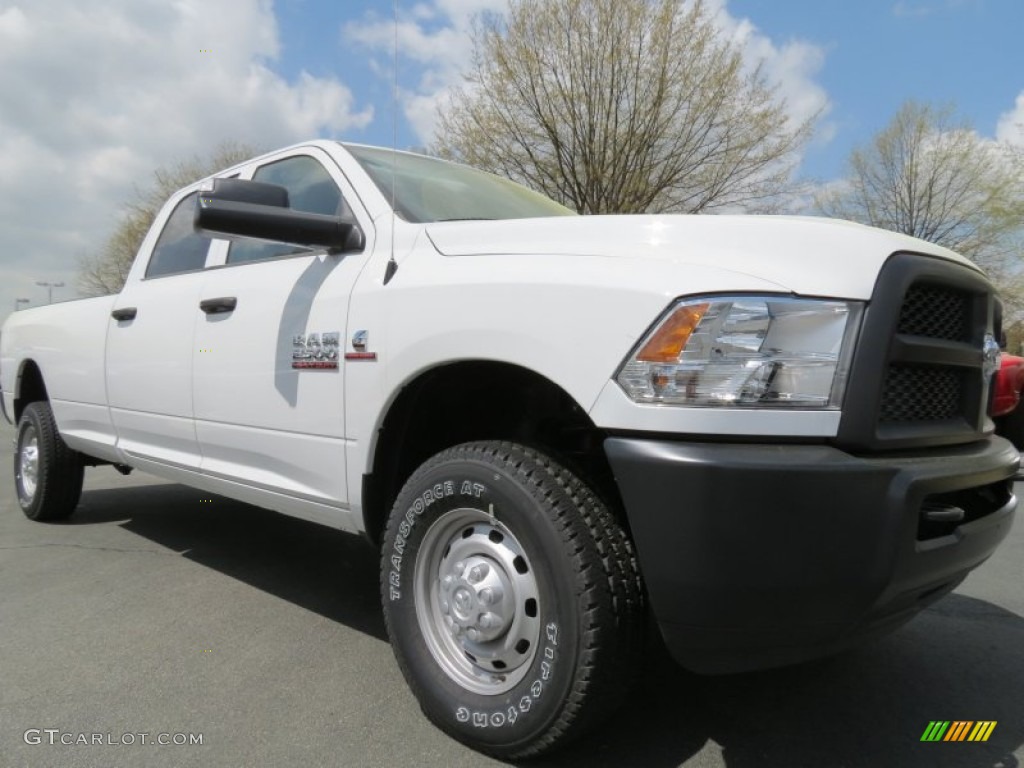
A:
(1008, 417)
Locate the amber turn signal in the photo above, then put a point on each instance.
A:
(668, 341)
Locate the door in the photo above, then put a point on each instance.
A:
(149, 345)
(268, 362)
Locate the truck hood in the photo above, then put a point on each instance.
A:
(805, 255)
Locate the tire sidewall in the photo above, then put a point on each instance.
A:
(522, 713)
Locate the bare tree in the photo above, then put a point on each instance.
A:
(621, 106)
(104, 272)
(930, 175)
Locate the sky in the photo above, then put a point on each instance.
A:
(95, 96)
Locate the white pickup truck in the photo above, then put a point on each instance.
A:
(767, 435)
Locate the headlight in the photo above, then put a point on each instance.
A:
(760, 351)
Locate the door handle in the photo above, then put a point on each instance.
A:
(125, 313)
(218, 305)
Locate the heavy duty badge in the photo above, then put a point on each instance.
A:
(317, 351)
(360, 339)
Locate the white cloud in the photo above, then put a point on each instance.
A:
(13, 25)
(1010, 127)
(436, 36)
(94, 96)
(791, 66)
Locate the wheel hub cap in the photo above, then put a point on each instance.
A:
(28, 463)
(477, 601)
(476, 598)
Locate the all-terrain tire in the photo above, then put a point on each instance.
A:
(512, 599)
(47, 473)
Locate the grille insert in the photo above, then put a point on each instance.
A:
(936, 312)
(922, 393)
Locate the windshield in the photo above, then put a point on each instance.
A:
(429, 190)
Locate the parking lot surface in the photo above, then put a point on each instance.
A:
(166, 611)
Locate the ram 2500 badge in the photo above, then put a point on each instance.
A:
(768, 434)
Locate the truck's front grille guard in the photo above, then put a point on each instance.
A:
(926, 386)
(928, 393)
(931, 378)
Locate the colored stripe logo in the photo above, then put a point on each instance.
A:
(958, 730)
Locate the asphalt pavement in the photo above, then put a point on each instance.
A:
(164, 611)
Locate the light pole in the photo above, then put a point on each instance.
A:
(18, 303)
(49, 287)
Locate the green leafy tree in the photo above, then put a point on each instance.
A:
(621, 106)
(105, 271)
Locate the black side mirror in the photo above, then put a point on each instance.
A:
(240, 191)
(238, 208)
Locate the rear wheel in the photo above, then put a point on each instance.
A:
(47, 474)
(511, 597)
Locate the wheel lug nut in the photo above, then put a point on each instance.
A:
(473, 634)
(447, 581)
(459, 567)
(478, 573)
(490, 595)
(444, 606)
(490, 620)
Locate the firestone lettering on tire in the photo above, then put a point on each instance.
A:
(438, 491)
(502, 717)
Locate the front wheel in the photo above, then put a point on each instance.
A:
(47, 474)
(511, 597)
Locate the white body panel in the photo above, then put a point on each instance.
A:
(261, 423)
(212, 400)
(572, 321)
(258, 420)
(149, 369)
(788, 250)
(268, 498)
(67, 342)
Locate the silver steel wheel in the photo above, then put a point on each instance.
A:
(477, 601)
(28, 463)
